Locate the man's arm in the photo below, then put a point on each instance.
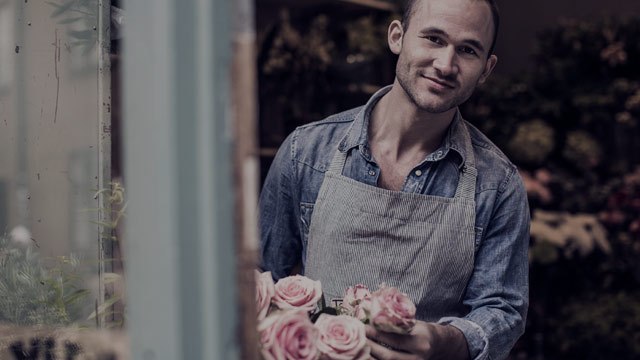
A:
(279, 214)
(498, 290)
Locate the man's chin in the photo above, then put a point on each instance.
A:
(435, 107)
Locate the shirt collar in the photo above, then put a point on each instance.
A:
(357, 135)
(358, 132)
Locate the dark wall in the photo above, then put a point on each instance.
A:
(521, 20)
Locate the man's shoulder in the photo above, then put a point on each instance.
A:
(325, 124)
(315, 143)
(494, 167)
(483, 145)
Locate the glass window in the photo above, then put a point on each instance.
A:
(57, 232)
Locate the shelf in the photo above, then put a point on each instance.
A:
(381, 5)
(268, 151)
(374, 4)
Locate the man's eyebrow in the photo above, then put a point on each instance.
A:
(432, 30)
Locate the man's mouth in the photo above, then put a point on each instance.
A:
(439, 83)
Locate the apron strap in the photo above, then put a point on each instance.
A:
(468, 174)
(467, 183)
(337, 163)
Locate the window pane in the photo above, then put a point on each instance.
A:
(50, 158)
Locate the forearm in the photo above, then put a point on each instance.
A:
(427, 341)
(449, 343)
(497, 292)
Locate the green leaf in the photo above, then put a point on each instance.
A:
(71, 278)
(101, 261)
(321, 303)
(109, 313)
(102, 223)
(327, 310)
(54, 285)
(75, 296)
(95, 196)
(109, 236)
(111, 277)
(101, 309)
(114, 324)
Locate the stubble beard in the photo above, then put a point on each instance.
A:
(433, 107)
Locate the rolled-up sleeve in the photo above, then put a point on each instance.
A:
(498, 290)
(279, 230)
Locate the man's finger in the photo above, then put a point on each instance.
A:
(380, 352)
(396, 341)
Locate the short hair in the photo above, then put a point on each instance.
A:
(409, 9)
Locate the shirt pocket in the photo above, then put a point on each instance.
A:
(478, 238)
(306, 210)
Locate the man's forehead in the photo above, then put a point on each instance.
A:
(472, 17)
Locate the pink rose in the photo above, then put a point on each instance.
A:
(288, 335)
(297, 292)
(265, 290)
(357, 301)
(392, 311)
(342, 337)
(363, 310)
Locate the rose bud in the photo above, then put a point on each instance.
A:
(357, 301)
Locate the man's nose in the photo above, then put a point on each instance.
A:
(445, 61)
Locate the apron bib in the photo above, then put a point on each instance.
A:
(421, 244)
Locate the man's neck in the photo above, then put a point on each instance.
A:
(401, 132)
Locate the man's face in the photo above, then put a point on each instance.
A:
(443, 53)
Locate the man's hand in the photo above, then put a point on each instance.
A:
(426, 341)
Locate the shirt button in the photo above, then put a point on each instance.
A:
(439, 153)
(372, 173)
(418, 172)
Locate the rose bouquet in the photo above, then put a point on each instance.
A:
(293, 322)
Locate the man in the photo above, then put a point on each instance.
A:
(404, 191)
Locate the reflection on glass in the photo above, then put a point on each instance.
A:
(49, 134)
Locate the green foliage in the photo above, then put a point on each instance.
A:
(366, 36)
(36, 291)
(116, 208)
(33, 294)
(609, 324)
(313, 65)
(532, 142)
(78, 14)
(585, 87)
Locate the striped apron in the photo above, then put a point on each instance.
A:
(421, 244)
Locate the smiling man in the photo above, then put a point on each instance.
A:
(404, 191)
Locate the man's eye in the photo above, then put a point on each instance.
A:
(467, 50)
(434, 39)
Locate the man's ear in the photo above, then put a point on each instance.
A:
(488, 68)
(394, 36)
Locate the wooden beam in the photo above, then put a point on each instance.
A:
(375, 4)
(246, 173)
(372, 4)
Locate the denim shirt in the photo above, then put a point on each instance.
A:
(497, 292)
